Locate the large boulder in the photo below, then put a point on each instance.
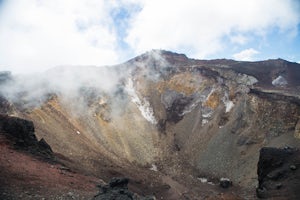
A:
(21, 133)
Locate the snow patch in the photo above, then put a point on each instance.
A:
(224, 179)
(207, 115)
(142, 104)
(204, 121)
(202, 180)
(205, 180)
(279, 81)
(228, 104)
(206, 112)
(191, 107)
(154, 168)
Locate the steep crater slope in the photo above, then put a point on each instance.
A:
(164, 119)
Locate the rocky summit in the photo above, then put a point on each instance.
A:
(177, 128)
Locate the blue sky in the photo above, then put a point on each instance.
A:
(36, 35)
(275, 44)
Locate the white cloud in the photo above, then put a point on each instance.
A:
(199, 27)
(246, 55)
(238, 39)
(38, 34)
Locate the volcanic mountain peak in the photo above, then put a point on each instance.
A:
(158, 55)
(265, 71)
(163, 109)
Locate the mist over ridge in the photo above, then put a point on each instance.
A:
(71, 81)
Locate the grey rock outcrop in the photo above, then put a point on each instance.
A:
(117, 190)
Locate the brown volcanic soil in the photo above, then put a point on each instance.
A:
(23, 176)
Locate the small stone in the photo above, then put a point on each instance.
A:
(287, 147)
(70, 193)
(293, 167)
(65, 168)
(225, 182)
(261, 192)
(278, 186)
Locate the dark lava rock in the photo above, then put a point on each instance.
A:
(21, 133)
(20, 129)
(225, 182)
(278, 186)
(293, 167)
(174, 113)
(5, 106)
(175, 103)
(278, 177)
(117, 189)
(119, 182)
